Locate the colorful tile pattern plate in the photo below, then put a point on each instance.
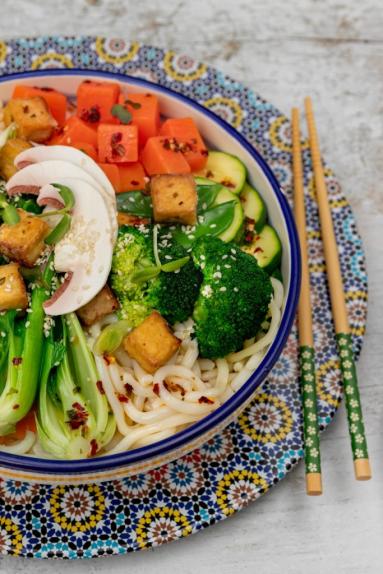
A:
(241, 463)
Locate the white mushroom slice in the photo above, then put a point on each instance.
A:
(85, 252)
(65, 153)
(34, 176)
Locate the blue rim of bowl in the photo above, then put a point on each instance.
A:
(160, 448)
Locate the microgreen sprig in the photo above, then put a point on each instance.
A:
(63, 225)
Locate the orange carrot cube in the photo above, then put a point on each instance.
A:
(158, 157)
(117, 144)
(132, 176)
(95, 101)
(186, 134)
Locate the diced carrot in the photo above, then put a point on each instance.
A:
(117, 144)
(87, 148)
(113, 174)
(56, 101)
(145, 112)
(186, 134)
(132, 176)
(95, 101)
(75, 131)
(157, 157)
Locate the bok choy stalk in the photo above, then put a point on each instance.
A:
(73, 419)
(21, 344)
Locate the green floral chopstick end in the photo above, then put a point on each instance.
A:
(310, 417)
(351, 392)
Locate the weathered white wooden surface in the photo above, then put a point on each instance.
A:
(333, 50)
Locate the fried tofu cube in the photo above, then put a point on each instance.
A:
(24, 241)
(8, 154)
(152, 343)
(102, 304)
(32, 118)
(174, 198)
(13, 294)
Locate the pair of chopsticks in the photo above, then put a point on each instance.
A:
(342, 329)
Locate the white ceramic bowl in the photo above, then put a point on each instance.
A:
(222, 136)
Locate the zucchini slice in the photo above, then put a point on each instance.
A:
(254, 207)
(225, 169)
(266, 248)
(235, 228)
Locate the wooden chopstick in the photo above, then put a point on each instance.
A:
(338, 303)
(306, 341)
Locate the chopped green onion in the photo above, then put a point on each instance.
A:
(10, 215)
(59, 231)
(175, 265)
(7, 134)
(145, 274)
(67, 195)
(111, 337)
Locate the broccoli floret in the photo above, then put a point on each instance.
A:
(174, 294)
(234, 297)
(133, 250)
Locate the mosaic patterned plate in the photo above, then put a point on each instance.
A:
(241, 463)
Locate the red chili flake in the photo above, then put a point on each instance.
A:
(205, 400)
(91, 115)
(166, 144)
(148, 95)
(77, 416)
(249, 237)
(209, 173)
(25, 109)
(17, 361)
(156, 389)
(258, 250)
(15, 407)
(173, 387)
(93, 447)
(45, 89)
(100, 387)
(193, 140)
(250, 221)
(204, 152)
(122, 398)
(109, 359)
(129, 389)
(134, 182)
(117, 148)
(227, 183)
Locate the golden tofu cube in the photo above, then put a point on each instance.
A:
(174, 198)
(152, 343)
(32, 118)
(13, 294)
(24, 241)
(8, 154)
(102, 304)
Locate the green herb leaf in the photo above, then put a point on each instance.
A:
(145, 274)
(59, 231)
(111, 337)
(174, 265)
(135, 202)
(134, 105)
(124, 115)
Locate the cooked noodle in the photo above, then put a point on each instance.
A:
(149, 408)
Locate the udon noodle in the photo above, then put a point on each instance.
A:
(149, 408)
